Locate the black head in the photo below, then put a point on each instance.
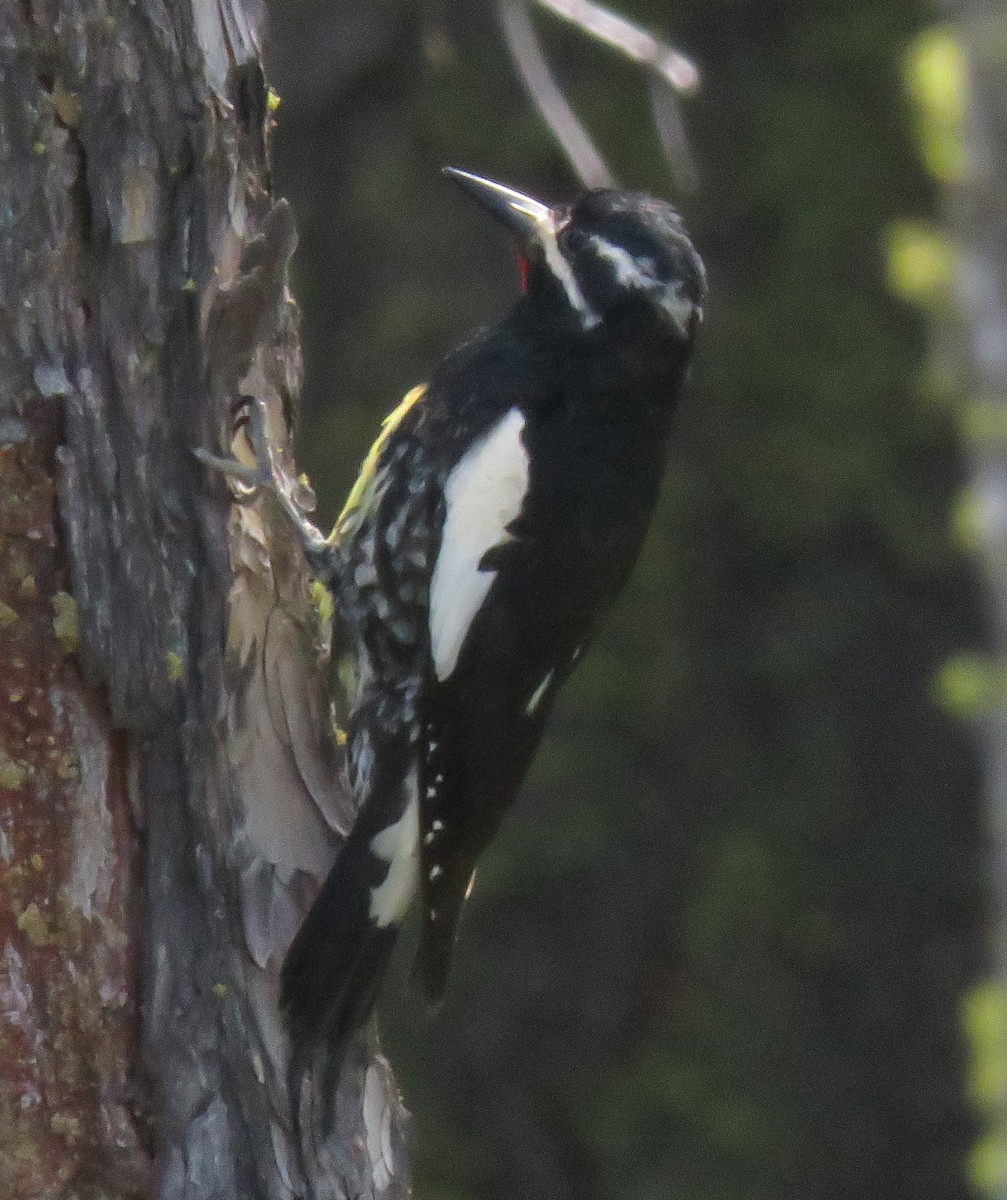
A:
(612, 261)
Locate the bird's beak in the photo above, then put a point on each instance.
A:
(522, 215)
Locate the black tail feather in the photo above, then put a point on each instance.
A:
(333, 970)
(440, 928)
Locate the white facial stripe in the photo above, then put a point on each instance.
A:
(397, 845)
(627, 269)
(629, 272)
(680, 308)
(558, 265)
(484, 493)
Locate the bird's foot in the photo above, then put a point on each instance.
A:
(267, 473)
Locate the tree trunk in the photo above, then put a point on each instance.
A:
(170, 793)
(977, 193)
(979, 223)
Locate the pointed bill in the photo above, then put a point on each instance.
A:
(522, 215)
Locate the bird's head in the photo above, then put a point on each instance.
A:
(611, 261)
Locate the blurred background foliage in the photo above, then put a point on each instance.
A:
(720, 949)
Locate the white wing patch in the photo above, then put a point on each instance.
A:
(484, 493)
(397, 845)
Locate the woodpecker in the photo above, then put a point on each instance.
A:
(495, 519)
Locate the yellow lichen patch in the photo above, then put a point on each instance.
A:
(34, 924)
(28, 586)
(64, 621)
(68, 767)
(67, 1126)
(12, 774)
(37, 861)
(68, 106)
(983, 420)
(984, 1017)
(969, 686)
(175, 663)
(17, 566)
(921, 262)
(937, 77)
(986, 1165)
(8, 616)
(967, 520)
(321, 598)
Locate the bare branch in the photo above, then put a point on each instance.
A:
(667, 114)
(671, 74)
(664, 60)
(574, 140)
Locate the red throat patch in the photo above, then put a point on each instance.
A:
(524, 269)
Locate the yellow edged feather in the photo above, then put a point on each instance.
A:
(357, 497)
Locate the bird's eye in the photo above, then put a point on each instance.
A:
(573, 240)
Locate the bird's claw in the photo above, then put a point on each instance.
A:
(267, 475)
(252, 478)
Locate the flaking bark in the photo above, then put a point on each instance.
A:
(169, 783)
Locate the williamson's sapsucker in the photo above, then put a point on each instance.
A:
(495, 519)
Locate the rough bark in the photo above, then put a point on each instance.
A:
(169, 786)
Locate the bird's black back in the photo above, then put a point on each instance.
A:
(596, 433)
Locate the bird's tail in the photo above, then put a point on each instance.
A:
(439, 929)
(334, 967)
